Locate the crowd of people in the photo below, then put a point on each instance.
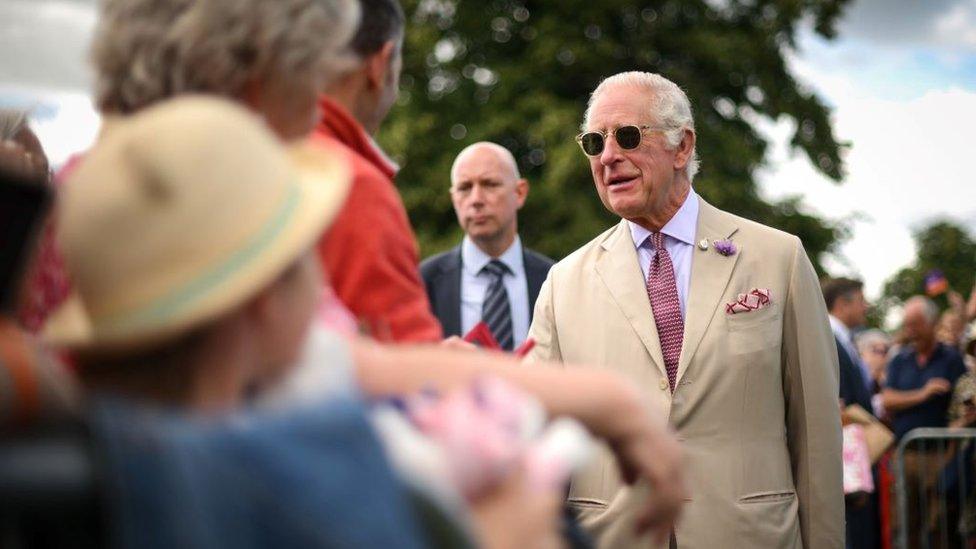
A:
(919, 377)
(220, 312)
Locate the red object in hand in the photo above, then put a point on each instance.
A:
(524, 348)
(481, 336)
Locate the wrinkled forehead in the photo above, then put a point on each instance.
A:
(619, 106)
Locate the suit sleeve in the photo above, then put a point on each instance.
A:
(810, 385)
(543, 328)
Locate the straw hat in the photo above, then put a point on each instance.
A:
(181, 213)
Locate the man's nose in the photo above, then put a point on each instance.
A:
(477, 194)
(611, 151)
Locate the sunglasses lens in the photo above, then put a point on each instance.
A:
(628, 137)
(592, 143)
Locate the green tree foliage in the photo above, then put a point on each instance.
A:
(519, 72)
(941, 245)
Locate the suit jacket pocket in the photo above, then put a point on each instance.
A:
(766, 497)
(754, 332)
(586, 503)
(769, 520)
(748, 321)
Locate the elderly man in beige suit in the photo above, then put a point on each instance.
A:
(720, 321)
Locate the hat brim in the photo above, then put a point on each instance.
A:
(323, 180)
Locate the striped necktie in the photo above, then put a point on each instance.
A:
(495, 310)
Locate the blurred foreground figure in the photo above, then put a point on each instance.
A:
(189, 233)
(721, 323)
(274, 57)
(189, 239)
(46, 487)
(371, 254)
(33, 384)
(44, 284)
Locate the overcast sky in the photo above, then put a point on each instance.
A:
(901, 78)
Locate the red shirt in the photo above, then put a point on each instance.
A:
(370, 251)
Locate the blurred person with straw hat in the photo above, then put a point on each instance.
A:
(188, 234)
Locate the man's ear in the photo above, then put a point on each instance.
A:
(521, 191)
(379, 63)
(685, 150)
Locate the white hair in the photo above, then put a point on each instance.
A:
(145, 51)
(668, 104)
(929, 308)
(869, 338)
(501, 153)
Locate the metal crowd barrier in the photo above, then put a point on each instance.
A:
(933, 470)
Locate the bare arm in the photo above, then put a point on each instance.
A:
(895, 401)
(602, 401)
(609, 406)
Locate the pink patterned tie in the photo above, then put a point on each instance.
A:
(663, 292)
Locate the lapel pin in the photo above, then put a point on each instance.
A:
(703, 244)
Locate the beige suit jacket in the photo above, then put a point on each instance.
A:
(756, 400)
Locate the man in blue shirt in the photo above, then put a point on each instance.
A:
(920, 378)
(917, 393)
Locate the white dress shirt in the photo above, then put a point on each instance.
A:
(679, 240)
(474, 286)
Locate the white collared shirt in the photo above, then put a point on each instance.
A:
(679, 241)
(474, 286)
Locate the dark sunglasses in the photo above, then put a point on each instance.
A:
(627, 137)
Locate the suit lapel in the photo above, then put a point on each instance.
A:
(710, 275)
(620, 272)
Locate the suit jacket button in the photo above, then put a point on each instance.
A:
(664, 384)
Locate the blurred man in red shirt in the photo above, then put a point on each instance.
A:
(370, 253)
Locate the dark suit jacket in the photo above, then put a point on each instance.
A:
(862, 520)
(852, 388)
(442, 277)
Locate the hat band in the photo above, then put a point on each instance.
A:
(169, 305)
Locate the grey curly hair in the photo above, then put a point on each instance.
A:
(148, 50)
